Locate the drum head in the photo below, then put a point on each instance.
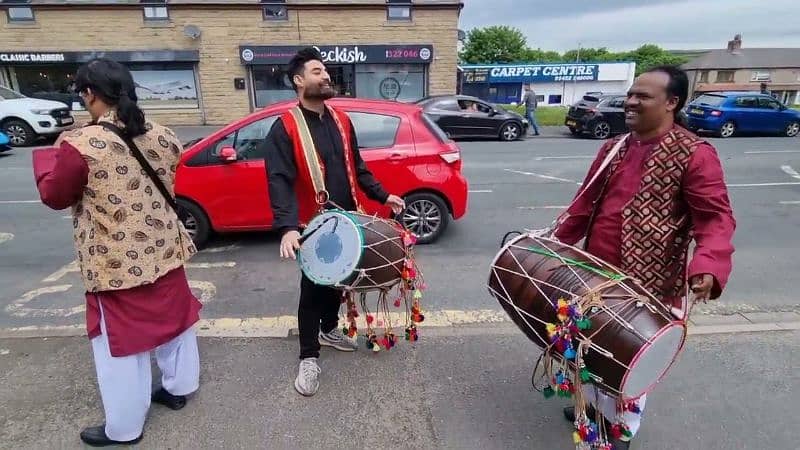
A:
(332, 252)
(653, 361)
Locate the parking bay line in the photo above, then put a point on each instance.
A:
(791, 172)
(547, 177)
(72, 267)
(765, 152)
(19, 202)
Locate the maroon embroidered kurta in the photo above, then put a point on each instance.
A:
(137, 319)
(703, 193)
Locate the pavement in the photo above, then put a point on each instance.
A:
(457, 388)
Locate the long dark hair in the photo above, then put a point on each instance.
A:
(113, 83)
(678, 86)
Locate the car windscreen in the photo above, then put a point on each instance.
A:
(8, 94)
(710, 100)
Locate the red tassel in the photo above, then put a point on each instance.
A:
(397, 303)
(370, 319)
(616, 433)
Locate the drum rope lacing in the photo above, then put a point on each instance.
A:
(588, 434)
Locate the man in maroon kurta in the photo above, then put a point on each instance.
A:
(664, 188)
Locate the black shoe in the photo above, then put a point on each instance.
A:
(96, 437)
(173, 402)
(569, 413)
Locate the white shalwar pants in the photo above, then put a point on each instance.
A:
(607, 406)
(125, 381)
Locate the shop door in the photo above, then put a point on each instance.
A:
(343, 80)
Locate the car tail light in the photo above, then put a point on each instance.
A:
(450, 157)
(716, 113)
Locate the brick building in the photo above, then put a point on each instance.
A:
(776, 70)
(212, 61)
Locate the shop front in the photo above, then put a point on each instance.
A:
(165, 79)
(388, 72)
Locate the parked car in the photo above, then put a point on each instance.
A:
(221, 181)
(462, 116)
(729, 113)
(25, 119)
(5, 143)
(598, 115)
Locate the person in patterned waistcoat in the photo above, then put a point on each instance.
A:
(131, 249)
(664, 189)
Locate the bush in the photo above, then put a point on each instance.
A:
(545, 115)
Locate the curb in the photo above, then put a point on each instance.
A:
(439, 322)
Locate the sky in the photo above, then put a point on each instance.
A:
(626, 24)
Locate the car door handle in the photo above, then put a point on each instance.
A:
(396, 157)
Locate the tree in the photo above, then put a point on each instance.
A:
(541, 56)
(586, 55)
(495, 44)
(649, 56)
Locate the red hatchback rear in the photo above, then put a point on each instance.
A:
(221, 180)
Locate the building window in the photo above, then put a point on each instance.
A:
(270, 85)
(275, 10)
(760, 75)
(554, 100)
(398, 10)
(399, 82)
(155, 12)
(19, 13)
(725, 76)
(704, 76)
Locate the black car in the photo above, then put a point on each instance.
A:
(461, 116)
(599, 115)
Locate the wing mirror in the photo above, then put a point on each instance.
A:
(227, 154)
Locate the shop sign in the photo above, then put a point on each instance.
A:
(534, 73)
(26, 58)
(339, 54)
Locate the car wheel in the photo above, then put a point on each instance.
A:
(426, 215)
(19, 133)
(601, 130)
(195, 221)
(510, 132)
(727, 129)
(793, 129)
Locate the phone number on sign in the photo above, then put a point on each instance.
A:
(402, 53)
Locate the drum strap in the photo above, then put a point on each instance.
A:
(315, 165)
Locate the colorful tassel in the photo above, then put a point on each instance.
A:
(569, 354)
(548, 392)
(586, 376)
(397, 303)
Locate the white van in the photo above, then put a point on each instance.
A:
(24, 119)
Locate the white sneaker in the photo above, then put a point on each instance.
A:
(307, 381)
(338, 340)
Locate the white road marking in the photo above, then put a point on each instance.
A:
(547, 177)
(226, 248)
(791, 172)
(58, 274)
(481, 191)
(210, 265)
(764, 152)
(207, 290)
(791, 202)
(18, 202)
(541, 158)
(764, 184)
(5, 237)
(4, 351)
(543, 207)
(18, 308)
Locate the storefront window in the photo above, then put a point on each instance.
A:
(271, 85)
(158, 86)
(401, 82)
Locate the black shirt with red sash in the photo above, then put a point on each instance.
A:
(282, 167)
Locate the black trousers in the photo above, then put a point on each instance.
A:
(318, 310)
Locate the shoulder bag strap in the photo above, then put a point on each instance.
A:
(143, 162)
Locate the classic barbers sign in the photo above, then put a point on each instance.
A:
(24, 58)
(339, 54)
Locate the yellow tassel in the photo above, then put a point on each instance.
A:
(551, 328)
(562, 302)
(576, 437)
(562, 317)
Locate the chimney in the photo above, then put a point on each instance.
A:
(735, 46)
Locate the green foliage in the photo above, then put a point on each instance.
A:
(504, 44)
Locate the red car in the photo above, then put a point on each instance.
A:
(221, 181)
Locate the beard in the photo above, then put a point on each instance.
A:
(320, 92)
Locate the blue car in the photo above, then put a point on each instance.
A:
(5, 142)
(729, 113)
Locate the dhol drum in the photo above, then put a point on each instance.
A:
(353, 251)
(566, 299)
